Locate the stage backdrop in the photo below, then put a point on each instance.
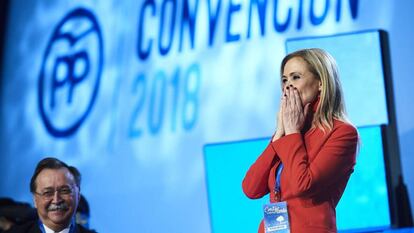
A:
(131, 91)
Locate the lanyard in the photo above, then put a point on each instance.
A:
(71, 229)
(277, 180)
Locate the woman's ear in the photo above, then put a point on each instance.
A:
(320, 86)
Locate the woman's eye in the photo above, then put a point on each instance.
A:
(296, 77)
(284, 80)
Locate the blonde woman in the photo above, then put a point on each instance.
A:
(309, 160)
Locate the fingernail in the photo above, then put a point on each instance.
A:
(287, 87)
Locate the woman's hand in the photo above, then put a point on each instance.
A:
(280, 130)
(293, 113)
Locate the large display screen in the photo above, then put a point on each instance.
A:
(359, 59)
(231, 210)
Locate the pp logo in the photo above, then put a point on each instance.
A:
(70, 73)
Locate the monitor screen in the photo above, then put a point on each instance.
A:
(231, 211)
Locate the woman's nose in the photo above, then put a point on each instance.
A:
(288, 85)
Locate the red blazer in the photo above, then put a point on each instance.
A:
(317, 166)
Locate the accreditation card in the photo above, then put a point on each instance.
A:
(276, 219)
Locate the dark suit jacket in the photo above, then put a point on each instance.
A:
(33, 227)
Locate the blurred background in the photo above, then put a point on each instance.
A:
(138, 94)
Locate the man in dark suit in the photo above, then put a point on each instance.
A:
(14, 213)
(56, 191)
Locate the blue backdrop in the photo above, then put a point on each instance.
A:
(131, 91)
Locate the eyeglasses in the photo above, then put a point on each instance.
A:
(48, 194)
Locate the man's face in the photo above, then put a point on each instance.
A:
(56, 197)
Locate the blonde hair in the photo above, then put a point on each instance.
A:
(331, 103)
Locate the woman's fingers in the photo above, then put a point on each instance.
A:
(280, 130)
(298, 100)
(294, 113)
(291, 99)
(280, 113)
(295, 103)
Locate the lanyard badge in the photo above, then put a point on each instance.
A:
(276, 218)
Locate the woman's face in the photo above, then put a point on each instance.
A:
(296, 73)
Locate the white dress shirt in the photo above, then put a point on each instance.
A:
(48, 230)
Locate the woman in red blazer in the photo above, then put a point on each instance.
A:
(314, 141)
